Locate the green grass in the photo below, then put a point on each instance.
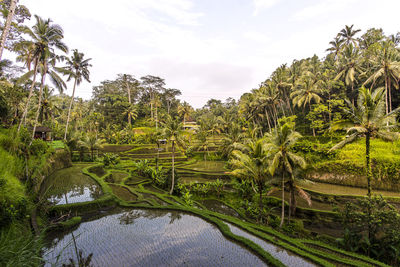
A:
(58, 144)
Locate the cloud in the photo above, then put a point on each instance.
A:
(256, 36)
(321, 8)
(263, 4)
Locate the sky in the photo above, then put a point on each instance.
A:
(205, 48)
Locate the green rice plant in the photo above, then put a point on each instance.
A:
(19, 247)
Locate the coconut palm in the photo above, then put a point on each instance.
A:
(336, 47)
(350, 65)
(184, 111)
(47, 67)
(367, 119)
(347, 35)
(250, 161)
(307, 91)
(91, 142)
(387, 66)
(7, 26)
(45, 37)
(78, 69)
(203, 144)
(173, 132)
(279, 143)
(230, 139)
(131, 112)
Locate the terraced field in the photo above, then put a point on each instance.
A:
(149, 227)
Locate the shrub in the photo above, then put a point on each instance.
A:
(38, 147)
(110, 159)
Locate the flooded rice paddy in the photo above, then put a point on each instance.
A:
(287, 258)
(207, 166)
(342, 189)
(149, 238)
(70, 185)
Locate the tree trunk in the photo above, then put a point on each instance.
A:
(156, 117)
(390, 95)
(29, 97)
(173, 168)
(158, 153)
(151, 105)
(69, 110)
(313, 130)
(129, 99)
(260, 189)
(7, 26)
(283, 199)
(368, 161)
(39, 103)
(269, 123)
(386, 94)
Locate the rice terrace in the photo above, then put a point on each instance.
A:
(281, 146)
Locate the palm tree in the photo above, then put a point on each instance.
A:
(47, 67)
(250, 161)
(386, 66)
(184, 111)
(132, 113)
(173, 131)
(347, 35)
(336, 47)
(367, 119)
(203, 145)
(91, 142)
(78, 69)
(279, 143)
(231, 139)
(307, 91)
(45, 37)
(7, 26)
(350, 67)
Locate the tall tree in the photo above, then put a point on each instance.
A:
(173, 132)
(386, 65)
(47, 67)
(45, 38)
(250, 162)
(7, 26)
(347, 34)
(153, 85)
(78, 69)
(129, 83)
(279, 143)
(368, 120)
(350, 66)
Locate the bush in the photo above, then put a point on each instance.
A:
(38, 147)
(243, 187)
(143, 169)
(110, 159)
(372, 227)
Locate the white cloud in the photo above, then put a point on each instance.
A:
(327, 7)
(256, 36)
(263, 4)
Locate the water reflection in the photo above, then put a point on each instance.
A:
(70, 185)
(286, 257)
(151, 238)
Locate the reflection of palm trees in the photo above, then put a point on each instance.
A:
(82, 261)
(173, 216)
(129, 217)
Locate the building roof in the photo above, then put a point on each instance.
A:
(42, 129)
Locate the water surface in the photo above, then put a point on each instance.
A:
(150, 238)
(70, 185)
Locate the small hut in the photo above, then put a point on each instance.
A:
(43, 132)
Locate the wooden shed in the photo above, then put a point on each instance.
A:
(43, 132)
